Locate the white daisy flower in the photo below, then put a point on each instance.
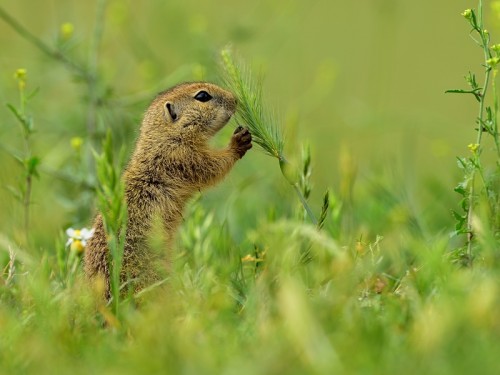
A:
(78, 238)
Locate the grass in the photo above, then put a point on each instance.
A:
(254, 286)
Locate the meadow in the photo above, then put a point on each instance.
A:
(373, 249)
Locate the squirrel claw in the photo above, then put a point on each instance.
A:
(241, 141)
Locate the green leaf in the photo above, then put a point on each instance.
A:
(457, 216)
(475, 92)
(16, 113)
(486, 125)
(32, 166)
(473, 20)
(19, 159)
(471, 80)
(464, 203)
(489, 113)
(461, 162)
(29, 125)
(324, 210)
(461, 188)
(32, 94)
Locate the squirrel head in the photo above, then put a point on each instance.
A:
(189, 112)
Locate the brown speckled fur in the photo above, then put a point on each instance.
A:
(172, 160)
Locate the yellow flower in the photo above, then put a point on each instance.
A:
(76, 143)
(78, 239)
(20, 75)
(66, 30)
(473, 147)
(467, 14)
(493, 61)
(77, 246)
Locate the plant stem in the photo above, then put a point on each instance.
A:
(305, 204)
(495, 122)
(292, 180)
(477, 161)
(28, 181)
(27, 201)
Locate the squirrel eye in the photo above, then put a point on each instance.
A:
(203, 96)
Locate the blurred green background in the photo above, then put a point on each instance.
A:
(361, 82)
(254, 288)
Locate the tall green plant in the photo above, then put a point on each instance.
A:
(481, 181)
(111, 204)
(26, 158)
(84, 69)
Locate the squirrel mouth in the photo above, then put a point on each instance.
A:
(218, 125)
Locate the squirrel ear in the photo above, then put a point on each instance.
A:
(171, 110)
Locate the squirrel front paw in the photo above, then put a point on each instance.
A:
(241, 141)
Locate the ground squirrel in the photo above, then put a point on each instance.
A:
(172, 161)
